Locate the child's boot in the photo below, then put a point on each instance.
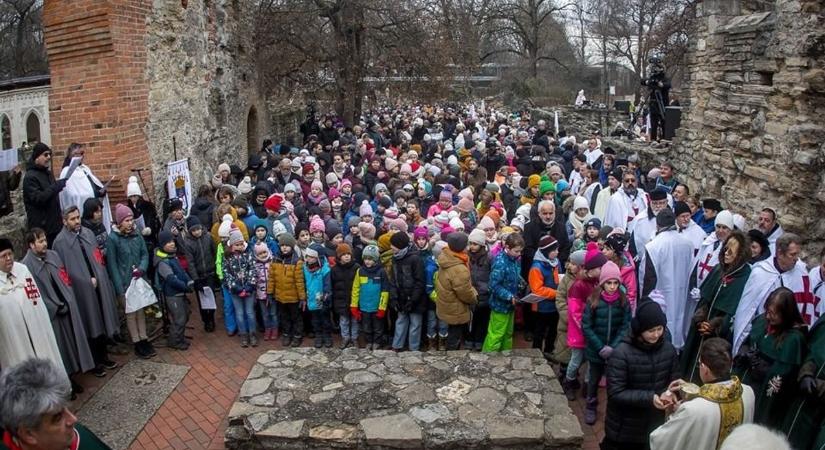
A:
(569, 389)
(318, 341)
(286, 341)
(244, 340)
(328, 340)
(442, 343)
(590, 412)
(253, 339)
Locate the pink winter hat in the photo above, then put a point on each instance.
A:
(365, 209)
(122, 212)
(421, 233)
(610, 271)
(316, 224)
(445, 195)
(317, 185)
(593, 258)
(366, 231)
(465, 205)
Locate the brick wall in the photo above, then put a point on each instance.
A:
(99, 92)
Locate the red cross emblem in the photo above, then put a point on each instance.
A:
(705, 266)
(32, 293)
(806, 298)
(64, 276)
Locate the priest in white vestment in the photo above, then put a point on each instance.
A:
(768, 225)
(687, 227)
(25, 328)
(817, 276)
(722, 404)
(82, 185)
(643, 228)
(626, 203)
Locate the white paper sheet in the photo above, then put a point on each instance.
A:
(8, 159)
(207, 298)
(75, 162)
(531, 298)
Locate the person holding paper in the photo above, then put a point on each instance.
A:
(41, 193)
(82, 184)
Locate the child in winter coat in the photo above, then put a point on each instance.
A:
(200, 252)
(480, 267)
(343, 275)
(505, 282)
(318, 286)
(175, 283)
(262, 235)
(223, 245)
(240, 278)
(436, 328)
(456, 294)
(286, 286)
(591, 234)
(605, 322)
(370, 295)
(544, 280)
(266, 304)
(577, 297)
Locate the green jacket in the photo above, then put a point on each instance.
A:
(123, 252)
(606, 324)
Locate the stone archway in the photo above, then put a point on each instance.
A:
(252, 131)
(5, 132)
(32, 127)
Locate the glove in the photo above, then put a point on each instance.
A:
(190, 286)
(137, 273)
(380, 313)
(808, 385)
(62, 310)
(355, 312)
(243, 294)
(200, 283)
(146, 231)
(695, 294)
(605, 352)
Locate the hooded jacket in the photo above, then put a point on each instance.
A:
(286, 278)
(318, 285)
(407, 282)
(454, 288)
(342, 276)
(544, 281)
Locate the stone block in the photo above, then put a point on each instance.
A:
(283, 430)
(340, 433)
(515, 431)
(255, 387)
(396, 431)
(564, 430)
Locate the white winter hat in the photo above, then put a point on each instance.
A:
(580, 202)
(519, 222)
(245, 186)
(132, 187)
(456, 224)
(725, 218)
(225, 227)
(478, 237)
(739, 222)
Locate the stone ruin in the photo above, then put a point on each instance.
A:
(305, 398)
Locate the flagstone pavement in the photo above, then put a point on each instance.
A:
(194, 415)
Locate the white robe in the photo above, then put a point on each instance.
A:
(777, 232)
(695, 424)
(818, 289)
(695, 234)
(621, 209)
(576, 181)
(591, 156)
(707, 258)
(764, 279)
(642, 230)
(670, 255)
(25, 328)
(78, 189)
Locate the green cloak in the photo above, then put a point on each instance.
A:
(807, 415)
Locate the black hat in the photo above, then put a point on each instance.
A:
(164, 237)
(400, 240)
(385, 201)
(616, 173)
(5, 244)
(39, 149)
(658, 194)
(617, 242)
(457, 241)
(547, 244)
(665, 218)
(712, 203)
(680, 208)
(648, 315)
(192, 222)
(593, 222)
(175, 204)
(759, 237)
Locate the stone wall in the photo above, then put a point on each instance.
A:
(753, 131)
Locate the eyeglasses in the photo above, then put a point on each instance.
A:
(630, 180)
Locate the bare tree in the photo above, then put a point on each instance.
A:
(21, 31)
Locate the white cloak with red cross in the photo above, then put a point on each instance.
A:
(707, 258)
(817, 275)
(25, 329)
(764, 279)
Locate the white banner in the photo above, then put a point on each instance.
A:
(179, 183)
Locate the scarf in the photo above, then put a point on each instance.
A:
(462, 256)
(576, 222)
(728, 395)
(610, 298)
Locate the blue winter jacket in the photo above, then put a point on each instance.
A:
(318, 285)
(505, 280)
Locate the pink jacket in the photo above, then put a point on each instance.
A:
(629, 282)
(436, 209)
(576, 302)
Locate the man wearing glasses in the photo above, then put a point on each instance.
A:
(41, 193)
(626, 203)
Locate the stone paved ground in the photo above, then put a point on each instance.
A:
(194, 415)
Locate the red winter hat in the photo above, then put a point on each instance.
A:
(273, 202)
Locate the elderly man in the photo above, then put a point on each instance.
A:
(25, 328)
(91, 285)
(643, 226)
(768, 225)
(785, 269)
(544, 221)
(34, 411)
(687, 227)
(626, 203)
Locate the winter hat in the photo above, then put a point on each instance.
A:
(235, 236)
(428, 187)
(485, 223)
(547, 244)
(739, 221)
(577, 257)
(524, 210)
(353, 221)
(438, 247)
(278, 228)
(332, 228)
(593, 222)
(610, 271)
(465, 205)
(442, 219)
(310, 252)
(345, 182)
(725, 218)
(379, 187)
(122, 212)
(519, 222)
(333, 194)
(224, 167)
(192, 222)
(665, 218)
(261, 247)
(225, 227)
(445, 195)
(317, 185)
(39, 149)
(365, 209)
(316, 224)
(366, 231)
(400, 240)
(331, 178)
(579, 203)
(494, 215)
(132, 187)
(457, 241)
(654, 173)
(6, 244)
(286, 240)
(406, 168)
(390, 164)
(273, 202)
(421, 232)
(594, 258)
(658, 194)
(533, 181)
(648, 315)
(680, 208)
(712, 203)
(371, 252)
(492, 187)
(398, 224)
(245, 186)
(617, 242)
(477, 237)
(456, 224)
(290, 187)
(164, 237)
(343, 249)
(465, 193)
(386, 202)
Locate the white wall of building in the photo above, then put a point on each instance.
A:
(18, 105)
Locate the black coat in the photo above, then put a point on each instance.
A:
(41, 197)
(407, 293)
(634, 374)
(342, 277)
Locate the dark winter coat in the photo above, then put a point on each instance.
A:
(342, 278)
(170, 276)
(124, 252)
(480, 266)
(635, 372)
(200, 254)
(41, 197)
(606, 324)
(535, 230)
(204, 210)
(407, 282)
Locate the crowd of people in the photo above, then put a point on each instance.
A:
(437, 228)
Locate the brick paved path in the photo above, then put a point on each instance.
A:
(194, 415)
